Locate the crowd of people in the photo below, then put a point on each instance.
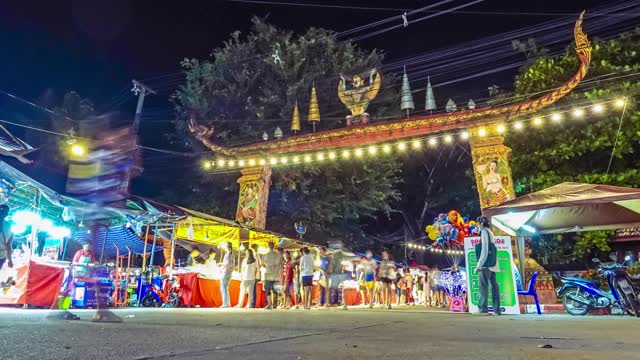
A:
(288, 278)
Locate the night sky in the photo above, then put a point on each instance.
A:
(96, 47)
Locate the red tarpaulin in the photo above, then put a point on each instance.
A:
(206, 292)
(35, 284)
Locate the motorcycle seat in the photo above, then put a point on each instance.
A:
(578, 279)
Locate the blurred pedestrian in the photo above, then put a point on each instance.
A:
(286, 279)
(228, 264)
(387, 277)
(259, 265)
(273, 265)
(322, 265)
(248, 276)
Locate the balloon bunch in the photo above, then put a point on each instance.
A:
(450, 229)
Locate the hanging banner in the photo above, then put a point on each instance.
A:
(506, 279)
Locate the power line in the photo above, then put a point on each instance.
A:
(351, 7)
(344, 7)
(443, 12)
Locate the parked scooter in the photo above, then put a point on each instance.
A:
(165, 294)
(579, 295)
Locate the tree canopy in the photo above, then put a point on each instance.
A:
(580, 150)
(250, 86)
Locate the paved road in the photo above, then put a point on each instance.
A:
(317, 334)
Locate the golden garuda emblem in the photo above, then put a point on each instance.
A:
(358, 97)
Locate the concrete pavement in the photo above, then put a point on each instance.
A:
(409, 333)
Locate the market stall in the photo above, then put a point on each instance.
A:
(31, 283)
(563, 208)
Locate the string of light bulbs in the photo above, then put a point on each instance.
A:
(403, 146)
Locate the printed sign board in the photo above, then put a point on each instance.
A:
(506, 279)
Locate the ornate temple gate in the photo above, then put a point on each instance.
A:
(489, 154)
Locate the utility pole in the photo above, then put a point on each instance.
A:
(141, 90)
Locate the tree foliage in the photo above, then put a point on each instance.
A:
(244, 91)
(581, 150)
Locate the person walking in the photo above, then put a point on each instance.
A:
(248, 276)
(487, 268)
(387, 277)
(286, 279)
(273, 264)
(323, 282)
(6, 237)
(369, 275)
(254, 249)
(297, 284)
(228, 263)
(306, 277)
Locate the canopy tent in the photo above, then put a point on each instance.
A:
(567, 207)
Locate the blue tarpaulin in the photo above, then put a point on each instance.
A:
(121, 236)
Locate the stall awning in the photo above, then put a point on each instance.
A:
(120, 236)
(569, 207)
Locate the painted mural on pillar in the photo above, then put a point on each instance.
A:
(254, 197)
(248, 204)
(493, 173)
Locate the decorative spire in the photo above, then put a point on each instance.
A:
(295, 122)
(265, 136)
(406, 102)
(471, 104)
(451, 106)
(430, 103)
(278, 133)
(314, 110)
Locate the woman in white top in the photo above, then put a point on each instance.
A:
(248, 273)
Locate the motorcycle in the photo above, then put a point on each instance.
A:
(165, 294)
(579, 295)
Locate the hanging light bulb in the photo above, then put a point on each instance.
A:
(358, 152)
(332, 155)
(556, 117)
(206, 165)
(448, 139)
(372, 150)
(252, 162)
(273, 161)
(307, 158)
(320, 156)
(517, 125)
(482, 132)
(296, 159)
(402, 146)
(386, 149)
(598, 108)
(346, 154)
(433, 142)
(284, 160)
(232, 163)
(500, 129)
(262, 161)
(537, 121)
(416, 144)
(221, 162)
(241, 163)
(620, 102)
(464, 135)
(578, 113)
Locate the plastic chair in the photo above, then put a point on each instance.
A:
(531, 291)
